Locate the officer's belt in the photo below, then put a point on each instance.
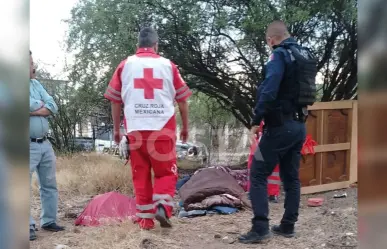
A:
(292, 116)
(289, 116)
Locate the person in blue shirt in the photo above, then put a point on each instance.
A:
(282, 140)
(42, 156)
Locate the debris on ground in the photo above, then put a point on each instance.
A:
(147, 244)
(332, 225)
(315, 202)
(61, 247)
(344, 195)
(228, 240)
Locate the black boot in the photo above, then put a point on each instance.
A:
(53, 227)
(283, 230)
(32, 234)
(253, 237)
(161, 217)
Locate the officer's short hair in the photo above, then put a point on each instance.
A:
(277, 28)
(147, 38)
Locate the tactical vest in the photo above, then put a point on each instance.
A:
(302, 71)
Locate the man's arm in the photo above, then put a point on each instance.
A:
(182, 94)
(116, 115)
(49, 106)
(43, 112)
(113, 93)
(269, 89)
(35, 104)
(183, 109)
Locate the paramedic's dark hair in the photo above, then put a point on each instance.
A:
(147, 38)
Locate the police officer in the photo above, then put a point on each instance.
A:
(283, 137)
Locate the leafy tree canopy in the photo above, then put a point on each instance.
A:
(219, 45)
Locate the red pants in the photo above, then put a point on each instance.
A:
(158, 155)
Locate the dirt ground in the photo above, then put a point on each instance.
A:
(80, 177)
(333, 225)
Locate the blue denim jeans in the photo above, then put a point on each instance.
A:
(43, 162)
(278, 145)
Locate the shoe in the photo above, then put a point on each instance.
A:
(32, 234)
(273, 199)
(53, 227)
(254, 237)
(161, 217)
(280, 230)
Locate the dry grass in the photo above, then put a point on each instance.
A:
(91, 174)
(78, 178)
(122, 236)
(83, 176)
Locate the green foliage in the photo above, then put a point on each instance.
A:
(207, 112)
(74, 106)
(218, 45)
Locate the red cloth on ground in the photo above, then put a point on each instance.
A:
(107, 208)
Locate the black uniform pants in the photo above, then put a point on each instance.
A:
(281, 145)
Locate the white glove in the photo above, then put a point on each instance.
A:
(124, 148)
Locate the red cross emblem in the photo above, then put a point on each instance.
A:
(148, 83)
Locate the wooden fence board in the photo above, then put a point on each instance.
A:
(344, 104)
(332, 147)
(324, 187)
(333, 125)
(354, 145)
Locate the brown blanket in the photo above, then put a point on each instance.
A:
(209, 182)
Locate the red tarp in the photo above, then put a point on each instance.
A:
(107, 208)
